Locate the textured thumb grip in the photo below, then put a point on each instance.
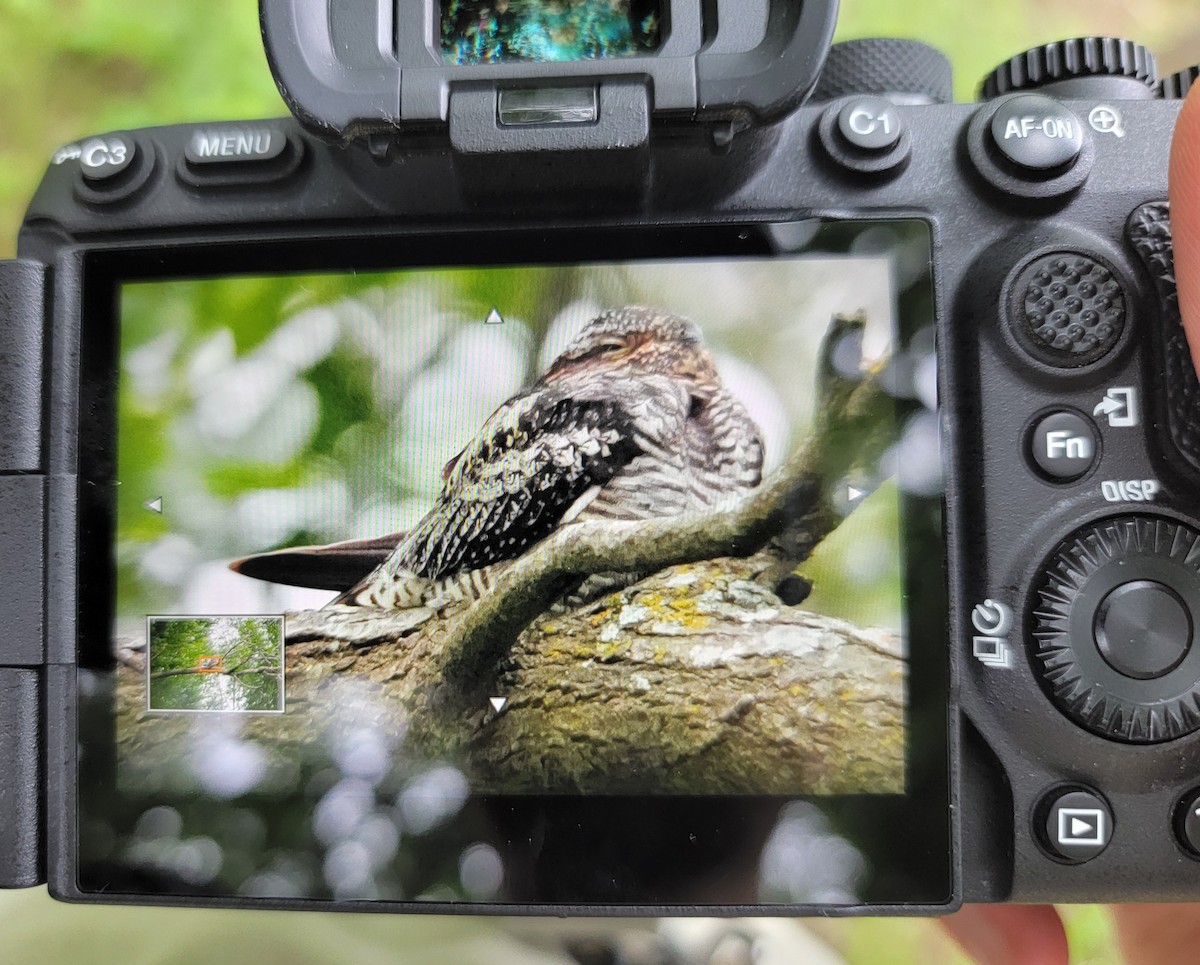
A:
(1149, 232)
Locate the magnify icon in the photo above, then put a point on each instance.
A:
(1106, 120)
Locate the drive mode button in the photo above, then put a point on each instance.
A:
(234, 145)
(1037, 134)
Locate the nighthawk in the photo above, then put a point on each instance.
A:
(630, 422)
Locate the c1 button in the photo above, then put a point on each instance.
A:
(1078, 825)
(1037, 134)
(869, 124)
(103, 158)
(1063, 445)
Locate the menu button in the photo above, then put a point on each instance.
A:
(233, 145)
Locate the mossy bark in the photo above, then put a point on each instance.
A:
(695, 681)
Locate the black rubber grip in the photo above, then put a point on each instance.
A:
(1149, 232)
(22, 323)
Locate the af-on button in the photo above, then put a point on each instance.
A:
(1030, 146)
(234, 155)
(1037, 134)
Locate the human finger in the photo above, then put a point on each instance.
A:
(1004, 934)
(1185, 216)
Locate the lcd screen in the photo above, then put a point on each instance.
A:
(430, 580)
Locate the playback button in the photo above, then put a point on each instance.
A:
(1187, 823)
(1078, 825)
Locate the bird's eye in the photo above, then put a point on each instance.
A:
(602, 350)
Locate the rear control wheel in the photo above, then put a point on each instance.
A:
(1115, 619)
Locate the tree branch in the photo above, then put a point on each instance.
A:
(214, 673)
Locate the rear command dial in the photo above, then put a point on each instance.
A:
(1114, 621)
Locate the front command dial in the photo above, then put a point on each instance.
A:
(1115, 621)
(1078, 67)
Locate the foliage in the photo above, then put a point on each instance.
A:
(248, 651)
(270, 412)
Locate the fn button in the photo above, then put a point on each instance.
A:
(1063, 445)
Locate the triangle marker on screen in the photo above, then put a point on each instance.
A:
(494, 317)
(497, 703)
(154, 505)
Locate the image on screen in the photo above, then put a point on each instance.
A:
(417, 538)
(539, 31)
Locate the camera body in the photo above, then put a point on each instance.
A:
(1052, 667)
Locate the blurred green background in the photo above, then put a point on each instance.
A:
(74, 67)
(307, 409)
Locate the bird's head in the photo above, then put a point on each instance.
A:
(637, 341)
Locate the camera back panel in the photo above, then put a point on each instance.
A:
(1052, 753)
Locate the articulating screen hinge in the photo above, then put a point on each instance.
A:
(23, 303)
(21, 861)
(22, 331)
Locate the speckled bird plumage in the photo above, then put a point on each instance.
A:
(630, 422)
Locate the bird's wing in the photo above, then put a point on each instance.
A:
(336, 566)
(536, 458)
